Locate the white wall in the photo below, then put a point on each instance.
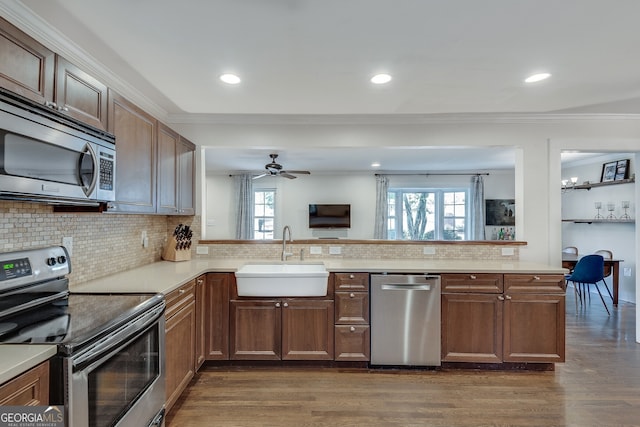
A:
(616, 237)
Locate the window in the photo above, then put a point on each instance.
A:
(263, 213)
(427, 214)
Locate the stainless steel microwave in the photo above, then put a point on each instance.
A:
(47, 157)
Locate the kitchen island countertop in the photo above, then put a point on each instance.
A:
(165, 276)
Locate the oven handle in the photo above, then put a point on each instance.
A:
(124, 334)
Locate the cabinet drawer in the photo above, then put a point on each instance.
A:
(534, 283)
(352, 308)
(180, 298)
(352, 343)
(471, 282)
(30, 388)
(352, 281)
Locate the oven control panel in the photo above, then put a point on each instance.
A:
(15, 268)
(23, 268)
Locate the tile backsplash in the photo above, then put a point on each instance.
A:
(102, 243)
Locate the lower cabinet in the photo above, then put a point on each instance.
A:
(28, 389)
(352, 331)
(282, 329)
(216, 317)
(495, 318)
(180, 340)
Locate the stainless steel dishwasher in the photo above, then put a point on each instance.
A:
(405, 319)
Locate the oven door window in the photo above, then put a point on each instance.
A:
(118, 382)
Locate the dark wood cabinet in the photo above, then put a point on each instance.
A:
(351, 329)
(180, 341)
(136, 144)
(216, 309)
(26, 66)
(201, 323)
(29, 69)
(282, 329)
(494, 318)
(28, 389)
(79, 95)
(176, 174)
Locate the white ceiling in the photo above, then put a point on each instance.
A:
(315, 57)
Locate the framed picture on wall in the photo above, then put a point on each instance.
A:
(609, 172)
(500, 212)
(622, 170)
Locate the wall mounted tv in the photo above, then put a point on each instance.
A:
(329, 216)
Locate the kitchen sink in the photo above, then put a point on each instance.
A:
(282, 280)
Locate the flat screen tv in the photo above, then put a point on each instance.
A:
(329, 216)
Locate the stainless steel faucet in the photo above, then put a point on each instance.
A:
(285, 254)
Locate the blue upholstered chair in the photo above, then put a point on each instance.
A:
(588, 271)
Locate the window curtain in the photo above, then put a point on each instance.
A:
(382, 209)
(477, 220)
(244, 190)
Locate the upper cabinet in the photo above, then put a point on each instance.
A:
(26, 66)
(175, 173)
(80, 95)
(136, 137)
(34, 72)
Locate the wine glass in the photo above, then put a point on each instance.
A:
(598, 207)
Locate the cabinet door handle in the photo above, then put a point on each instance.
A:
(352, 329)
(536, 277)
(500, 297)
(286, 304)
(472, 277)
(277, 304)
(507, 296)
(352, 295)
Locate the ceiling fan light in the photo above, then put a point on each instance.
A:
(537, 77)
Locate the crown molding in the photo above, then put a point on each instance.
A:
(395, 119)
(33, 25)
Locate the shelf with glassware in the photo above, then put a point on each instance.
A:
(571, 185)
(609, 219)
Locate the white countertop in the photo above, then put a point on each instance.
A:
(165, 276)
(17, 358)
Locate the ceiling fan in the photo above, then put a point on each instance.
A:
(275, 169)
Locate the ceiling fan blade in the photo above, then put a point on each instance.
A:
(261, 175)
(287, 175)
(298, 172)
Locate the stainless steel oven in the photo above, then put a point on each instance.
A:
(109, 368)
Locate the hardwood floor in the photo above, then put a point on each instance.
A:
(598, 385)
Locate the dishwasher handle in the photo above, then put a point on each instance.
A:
(405, 287)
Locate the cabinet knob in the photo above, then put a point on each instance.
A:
(65, 109)
(507, 296)
(352, 295)
(472, 277)
(285, 304)
(352, 329)
(200, 281)
(277, 304)
(500, 297)
(181, 291)
(536, 277)
(351, 276)
(50, 104)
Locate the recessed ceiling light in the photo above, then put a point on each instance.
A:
(375, 165)
(537, 77)
(380, 79)
(231, 79)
